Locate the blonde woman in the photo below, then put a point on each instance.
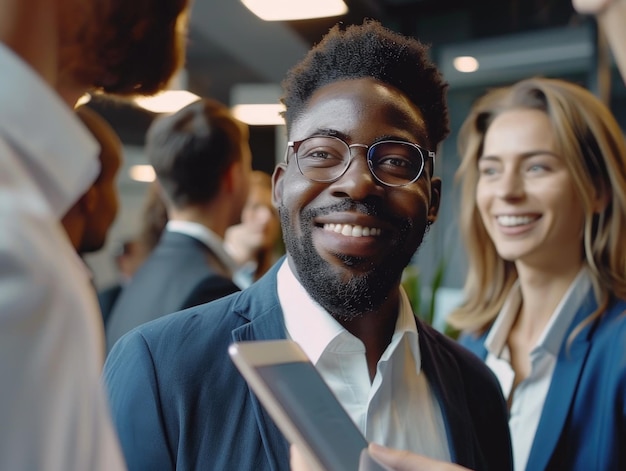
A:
(543, 213)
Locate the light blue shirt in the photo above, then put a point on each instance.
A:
(530, 394)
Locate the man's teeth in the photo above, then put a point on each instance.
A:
(354, 231)
(510, 221)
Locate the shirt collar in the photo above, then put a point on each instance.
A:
(59, 152)
(205, 235)
(554, 333)
(314, 329)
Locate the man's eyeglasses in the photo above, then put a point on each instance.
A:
(326, 159)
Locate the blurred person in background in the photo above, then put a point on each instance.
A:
(128, 257)
(132, 252)
(87, 223)
(254, 244)
(53, 411)
(153, 218)
(202, 160)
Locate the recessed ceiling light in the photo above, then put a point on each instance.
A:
(259, 114)
(142, 173)
(277, 10)
(466, 64)
(169, 101)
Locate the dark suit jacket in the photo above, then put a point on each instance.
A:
(107, 299)
(178, 402)
(181, 272)
(583, 423)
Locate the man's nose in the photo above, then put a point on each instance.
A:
(358, 182)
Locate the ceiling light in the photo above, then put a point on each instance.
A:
(259, 114)
(466, 64)
(276, 10)
(142, 173)
(169, 101)
(257, 103)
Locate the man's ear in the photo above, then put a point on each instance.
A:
(277, 184)
(435, 199)
(229, 179)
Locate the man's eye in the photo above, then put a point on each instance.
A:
(396, 161)
(317, 154)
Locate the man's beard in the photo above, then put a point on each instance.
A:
(363, 292)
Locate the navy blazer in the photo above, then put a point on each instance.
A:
(178, 402)
(583, 422)
(180, 272)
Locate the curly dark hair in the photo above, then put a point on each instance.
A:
(371, 50)
(133, 48)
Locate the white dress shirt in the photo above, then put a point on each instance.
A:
(53, 411)
(530, 394)
(398, 408)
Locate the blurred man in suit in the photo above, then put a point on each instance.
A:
(132, 252)
(128, 257)
(202, 160)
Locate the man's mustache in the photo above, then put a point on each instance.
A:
(367, 207)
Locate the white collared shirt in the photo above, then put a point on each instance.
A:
(398, 408)
(530, 394)
(53, 409)
(207, 237)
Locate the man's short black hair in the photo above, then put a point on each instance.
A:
(192, 149)
(371, 50)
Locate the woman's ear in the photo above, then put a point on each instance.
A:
(601, 200)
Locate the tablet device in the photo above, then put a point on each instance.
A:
(301, 404)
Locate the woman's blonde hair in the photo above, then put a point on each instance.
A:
(590, 140)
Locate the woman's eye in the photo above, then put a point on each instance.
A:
(486, 171)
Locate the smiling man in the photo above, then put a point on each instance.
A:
(365, 111)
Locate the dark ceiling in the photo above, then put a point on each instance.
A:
(229, 45)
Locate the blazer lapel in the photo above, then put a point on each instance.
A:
(260, 305)
(444, 378)
(562, 390)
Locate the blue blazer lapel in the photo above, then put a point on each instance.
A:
(570, 363)
(259, 304)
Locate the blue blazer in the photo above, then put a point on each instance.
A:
(178, 402)
(583, 422)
